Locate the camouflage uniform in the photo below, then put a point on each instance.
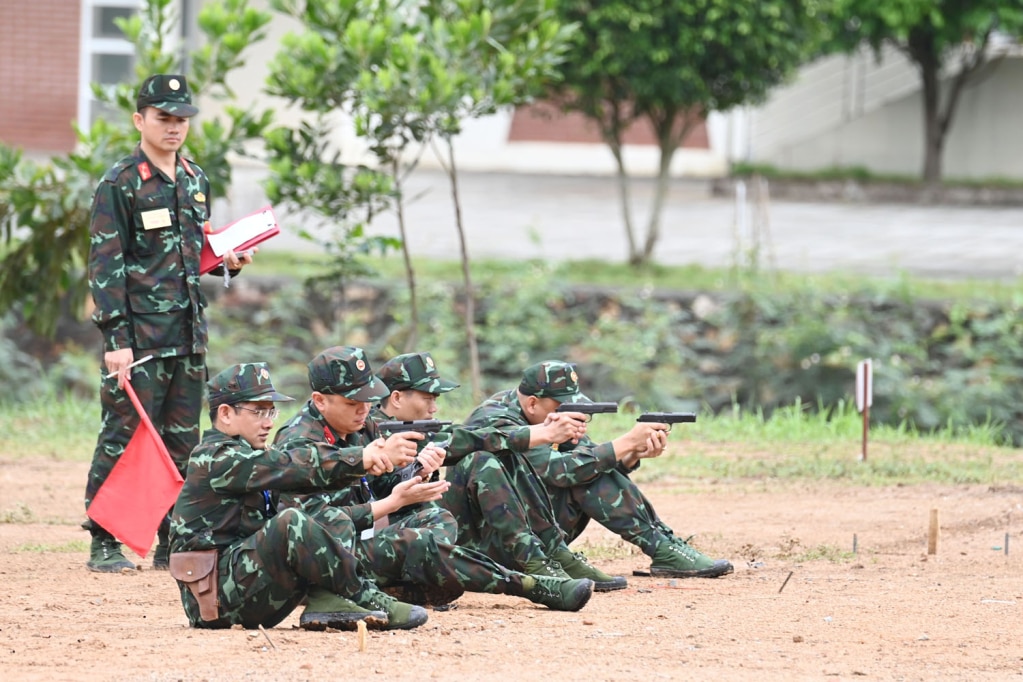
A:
(146, 235)
(585, 480)
(417, 547)
(267, 561)
(500, 508)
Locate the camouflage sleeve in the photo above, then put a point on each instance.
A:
(461, 441)
(361, 514)
(581, 464)
(299, 468)
(109, 226)
(345, 464)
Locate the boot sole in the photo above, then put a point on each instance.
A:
(342, 621)
(124, 568)
(610, 586)
(713, 572)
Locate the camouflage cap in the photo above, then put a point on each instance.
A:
(167, 93)
(345, 371)
(242, 383)
(414, 371)
(550, 379)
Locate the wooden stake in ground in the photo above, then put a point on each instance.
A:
(864, 398)
(932, 533)
(361, 635)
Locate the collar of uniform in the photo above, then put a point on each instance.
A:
(142, 161)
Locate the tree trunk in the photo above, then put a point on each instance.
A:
(410, 273)
(653, 230)
(622, 177)
(934, 134)
(470, 293)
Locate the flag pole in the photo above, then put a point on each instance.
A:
(134, 364)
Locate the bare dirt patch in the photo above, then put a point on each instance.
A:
(889, 611)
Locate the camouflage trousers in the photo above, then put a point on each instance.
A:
(613, 501)
(419, 551)
(502, 508)
(171, 392)
(265, 576)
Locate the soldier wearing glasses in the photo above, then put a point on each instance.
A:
(237, 560)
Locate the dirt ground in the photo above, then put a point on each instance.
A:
(800, 605)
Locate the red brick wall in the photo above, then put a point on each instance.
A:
(39, 73)
(542, 122)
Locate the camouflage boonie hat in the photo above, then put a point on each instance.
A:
(167, 93)
(550, 379)
(345, 371)
(414, 371)
(243, 383)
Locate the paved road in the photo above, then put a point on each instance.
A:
(555, 217)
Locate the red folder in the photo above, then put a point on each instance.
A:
(240, 235)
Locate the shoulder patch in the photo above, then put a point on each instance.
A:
(115, 171)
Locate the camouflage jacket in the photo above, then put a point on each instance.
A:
(459, 442)
(562, 469)
(145, 237)
(226, 496)
(307, 429)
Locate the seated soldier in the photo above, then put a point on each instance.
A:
(501, 509)
(587, 480)
(237, 562)
(414, 548)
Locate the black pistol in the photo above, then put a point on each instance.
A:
(589, 409)
(425, 426)
(668, 418)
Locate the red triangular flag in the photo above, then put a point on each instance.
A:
(141, 488)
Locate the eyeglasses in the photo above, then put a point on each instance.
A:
(265, 413)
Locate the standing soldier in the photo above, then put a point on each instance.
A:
(149, 215)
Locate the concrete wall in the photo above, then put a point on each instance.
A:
(843, 111)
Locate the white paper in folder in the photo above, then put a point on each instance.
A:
(241, 231)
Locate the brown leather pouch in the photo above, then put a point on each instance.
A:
(198, 570)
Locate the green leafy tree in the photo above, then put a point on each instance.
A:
(369, 56)
(411, 72)
(44, 207)
(667, 63)
(949, 41)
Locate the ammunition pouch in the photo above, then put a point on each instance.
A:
(198, 570)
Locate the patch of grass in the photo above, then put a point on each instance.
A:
(66, 548)
(620, 276)
(613, 549)
(824, 553)
(796, 444)
(20, 514)
(53, 426)
(864, 174)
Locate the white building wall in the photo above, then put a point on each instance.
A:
(854, 111)
(482, 146)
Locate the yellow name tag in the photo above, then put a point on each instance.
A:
(155, 219)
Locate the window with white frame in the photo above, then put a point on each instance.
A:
(106, 56)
